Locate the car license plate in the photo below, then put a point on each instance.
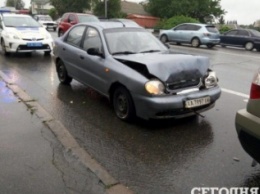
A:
(34, 44)
(197, 102)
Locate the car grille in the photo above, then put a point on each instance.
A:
(183, 84)
(250, 144)
(32, 39)
(49, 24)
(25, 47)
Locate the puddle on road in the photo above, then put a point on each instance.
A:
(6, 95)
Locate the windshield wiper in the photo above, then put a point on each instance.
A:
(150, 51)
(124, 53)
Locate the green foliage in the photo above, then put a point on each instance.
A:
(63, 6)
(113, 9)
(174, 21)
(197, 9)
(224, 28)
(53, 13)
(221, 20)
(18, 4)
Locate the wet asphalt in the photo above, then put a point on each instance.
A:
(165, 156)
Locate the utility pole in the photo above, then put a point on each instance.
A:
(105, 9)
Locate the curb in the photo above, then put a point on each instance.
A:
(112, 186)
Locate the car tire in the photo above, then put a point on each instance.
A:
(164, 39)
(54, 29)
(47, 53)
(195, 42)
(63, 74)
(123, 104)
(3, 48)
(178, 43)
(28, 54)
(60, 33)
(210, 46)
(249, 46)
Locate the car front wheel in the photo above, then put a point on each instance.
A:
(3, 48)
(63, 74)
(249, 46)
(123, 104)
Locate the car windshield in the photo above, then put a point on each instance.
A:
(131, 41)
(87, 18)
(255, 32)
(20, 21)
(45, 18)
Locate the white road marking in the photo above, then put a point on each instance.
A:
(235, 93)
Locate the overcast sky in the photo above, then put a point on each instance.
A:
(244, 11)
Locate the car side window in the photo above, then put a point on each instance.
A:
(192, 27)
(63, 18)
(232, 33)
(243, 33)
(92, 40)
(75, 35)
(72, 18)
(182, 27)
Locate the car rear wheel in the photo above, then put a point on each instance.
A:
(123, 104)
(249, 46)
(47, 53)
(3, 48)
(63, 74)
(164, 39)
(60, 33)
(210, 45)
(195, 42)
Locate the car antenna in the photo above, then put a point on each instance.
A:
(120, 22)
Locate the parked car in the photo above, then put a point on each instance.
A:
(46, 21)
(70, 19)
(21, 33)
(248, 121)
(247, 38)
(192, 33)
(133, 69)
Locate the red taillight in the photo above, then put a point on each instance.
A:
(255, 87)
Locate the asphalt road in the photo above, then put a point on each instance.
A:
(166, 156)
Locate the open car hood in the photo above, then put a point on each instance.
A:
(170, 67)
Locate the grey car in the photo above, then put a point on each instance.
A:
(192, 33)
(135, 71)
(248, 121)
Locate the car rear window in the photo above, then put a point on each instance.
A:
(212, 29)
(87, 18)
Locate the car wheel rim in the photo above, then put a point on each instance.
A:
(195, 42)
(249, 46)
(163, 39)
(121, 106)
(61, 73)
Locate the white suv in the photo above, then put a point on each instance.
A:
(21, 33)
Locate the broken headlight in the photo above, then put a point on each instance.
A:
(155, 87)
(211, 80)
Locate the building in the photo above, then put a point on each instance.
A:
(41, 6)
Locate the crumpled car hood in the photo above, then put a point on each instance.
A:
(170, 67)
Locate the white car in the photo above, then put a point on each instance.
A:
(21, 33)
(46, 21)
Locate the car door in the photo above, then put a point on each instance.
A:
(70, 51)
(189, 33)
(94, 71)
(243, 37)
(229, 38)
(177, 33)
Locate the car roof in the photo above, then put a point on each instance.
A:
(200, 24)
(16, 15)
(113, 24)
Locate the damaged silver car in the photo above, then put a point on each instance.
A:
(135, 71)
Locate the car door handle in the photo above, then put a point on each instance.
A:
(80, 56)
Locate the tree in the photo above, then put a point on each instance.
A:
(63, 6)
(197, 9)
(222, 20)
(18, 4)
(113, 9)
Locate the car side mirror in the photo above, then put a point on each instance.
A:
(95, 52)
